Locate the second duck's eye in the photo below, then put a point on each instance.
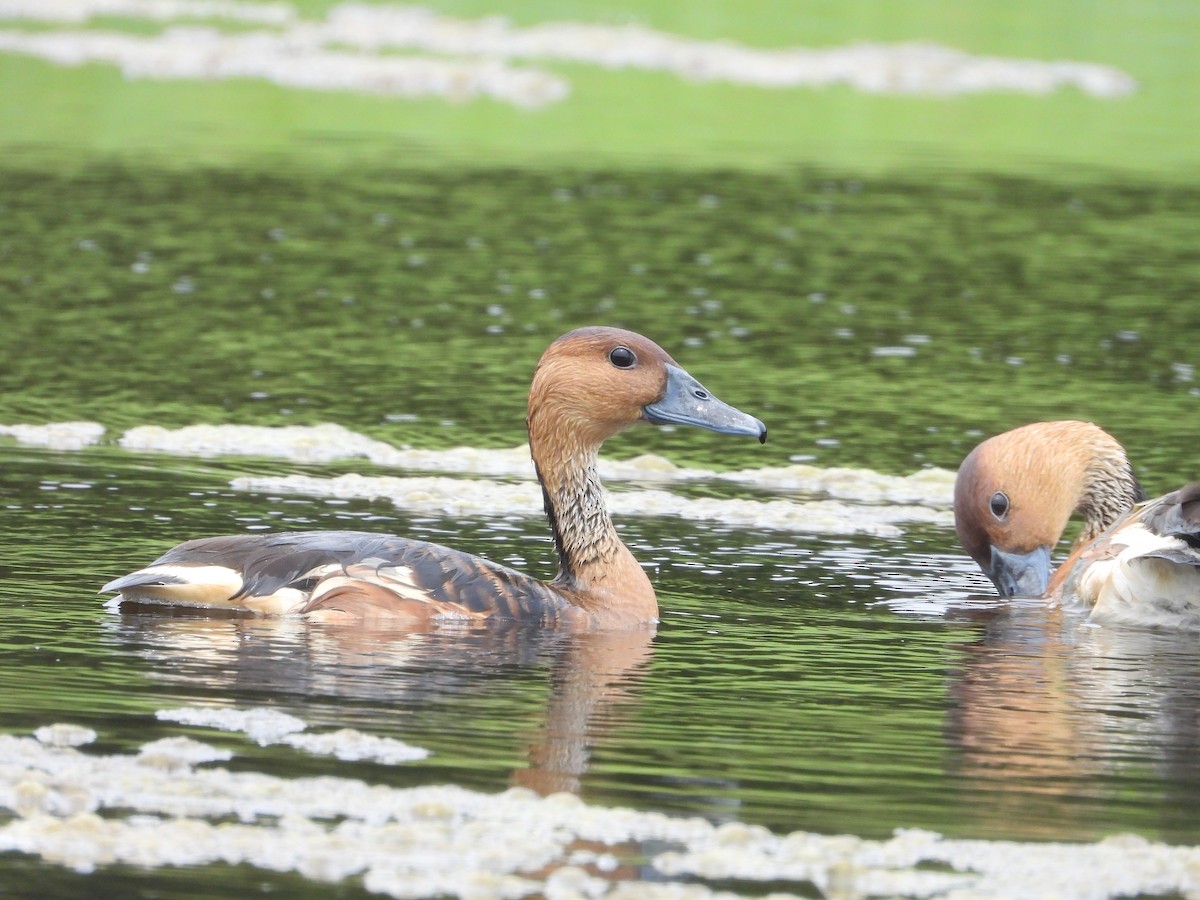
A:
(621, 357)
(999, 504)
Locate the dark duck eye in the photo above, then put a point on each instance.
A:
(621, 357)
(999, 504)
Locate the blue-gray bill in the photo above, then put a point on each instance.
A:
(687, 402)
(1021, 574)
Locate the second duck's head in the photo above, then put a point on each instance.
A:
(1015, 493)
(593, 382)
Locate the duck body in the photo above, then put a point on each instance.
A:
(1145, 569)
(1134, 562)
(313, 573)
(589, 385)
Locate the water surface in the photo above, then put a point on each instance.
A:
(838, 683)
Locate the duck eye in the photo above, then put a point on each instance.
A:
(621, 357)
(999, 504)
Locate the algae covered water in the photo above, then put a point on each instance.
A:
(828, 661)
(886, 323)
(289, 265)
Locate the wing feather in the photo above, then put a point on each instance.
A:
(350, 572)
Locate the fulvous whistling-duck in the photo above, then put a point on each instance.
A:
(589, 385)
(1136, 562)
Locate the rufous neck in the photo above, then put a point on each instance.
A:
(596, 569)
(1108, 490)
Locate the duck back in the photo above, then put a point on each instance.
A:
(1145, 569)
(339, 573)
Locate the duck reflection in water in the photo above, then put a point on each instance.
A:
(1054, 720)
(427, 684)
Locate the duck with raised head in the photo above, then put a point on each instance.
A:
(589, 385)
(1134, 561)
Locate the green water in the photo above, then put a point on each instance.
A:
(628, 116)
(882, 280)
(272, 298)
(797, 681)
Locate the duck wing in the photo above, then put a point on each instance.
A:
(1177, 515)
(338, 574)
(1145, 570)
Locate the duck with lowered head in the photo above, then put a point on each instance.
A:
(589, 385)
(1134, 562)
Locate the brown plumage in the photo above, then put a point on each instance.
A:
(589, 385)
(1015, 494)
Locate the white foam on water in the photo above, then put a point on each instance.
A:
(56, 435)
(73, 809)
(832, 500)
(1123, 865)
(811, 517)
(270, 726)
(463, 497)
(446, 496)
(79, 11)
(65, 735)
(927, 487)
(472, 53)
(320, 444)
(330, 442)
(352, 745)
(205, 54)
(180, 752)
(908, 68)
(264, 726)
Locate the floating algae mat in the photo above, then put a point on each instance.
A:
(170, 805)
(879, 504)
(830, 666)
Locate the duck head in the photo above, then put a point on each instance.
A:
(1015, 493)
(594, 382)
(1009, 513)
(1003, 526)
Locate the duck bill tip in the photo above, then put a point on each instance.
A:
(1018, 574)
(686, 402)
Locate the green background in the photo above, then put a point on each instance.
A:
(631, 117)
